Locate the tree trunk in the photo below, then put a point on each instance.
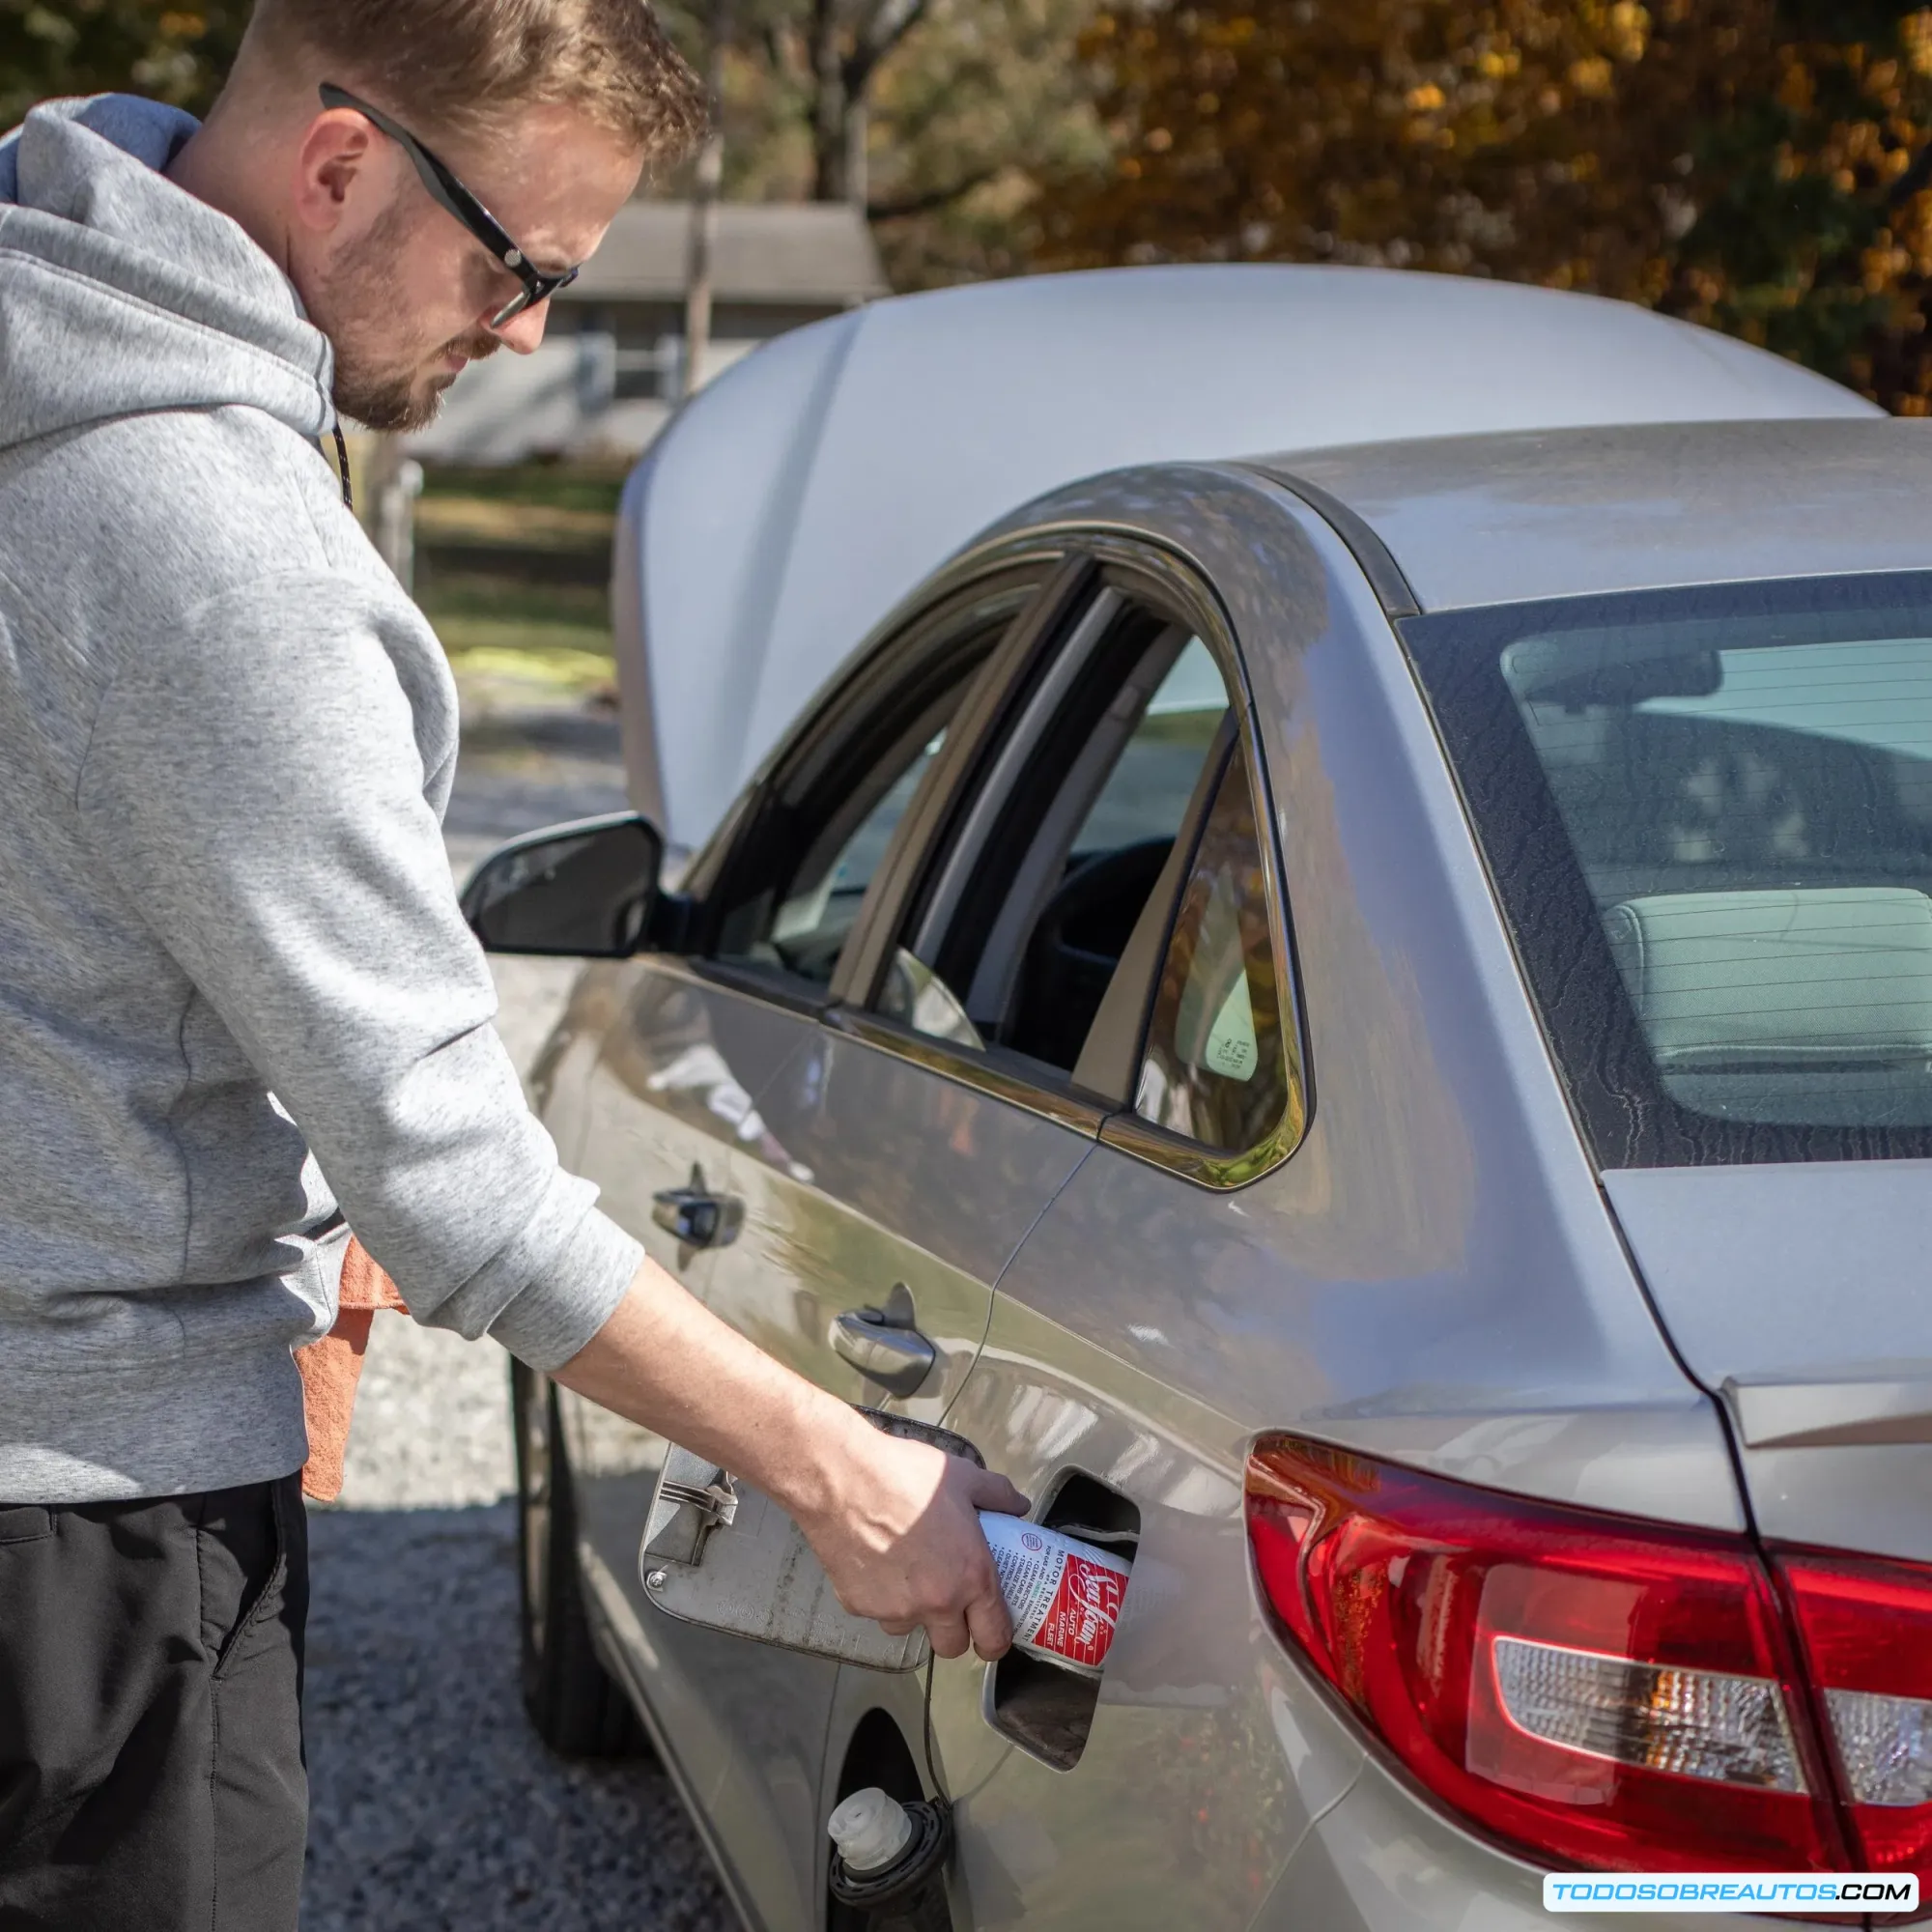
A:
(831, 137)
(698, 269)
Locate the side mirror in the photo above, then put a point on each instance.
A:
(586, 891)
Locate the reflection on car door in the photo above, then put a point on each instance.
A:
(659, 1105)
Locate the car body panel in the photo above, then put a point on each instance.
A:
(1435, 1271)
(816, 1137)
(1426, 1277)
(1434, 1275)
(840, 1205)
(793, 503)
(1183, 1801)
(1798, 1290)
(1507, 518)
(1379, 1860)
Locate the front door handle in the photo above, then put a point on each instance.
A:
(696, 1216)
(884, 1345)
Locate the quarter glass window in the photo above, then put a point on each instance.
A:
(1215, 1068)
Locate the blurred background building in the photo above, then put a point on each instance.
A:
(611, 367)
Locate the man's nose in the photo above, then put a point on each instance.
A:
(524, 333)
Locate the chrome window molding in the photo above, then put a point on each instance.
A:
(961, 1065)
(1207, 1168)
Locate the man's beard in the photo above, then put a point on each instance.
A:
(387, 379)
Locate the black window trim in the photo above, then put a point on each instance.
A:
(813, 748)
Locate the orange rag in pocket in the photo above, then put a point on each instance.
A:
(332, 1366)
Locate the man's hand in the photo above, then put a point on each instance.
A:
(901, 1541)
(893, 1520)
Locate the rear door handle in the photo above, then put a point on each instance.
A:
(696, 1216)
(884, 1345)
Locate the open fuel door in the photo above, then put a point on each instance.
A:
(716, 1552)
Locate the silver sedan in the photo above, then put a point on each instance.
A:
(1362, 1025)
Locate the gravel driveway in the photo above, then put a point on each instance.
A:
(433, 1805)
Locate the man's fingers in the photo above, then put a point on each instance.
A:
(991, 1627)
(989, 1491)
(893, 1627)
(949, 1636)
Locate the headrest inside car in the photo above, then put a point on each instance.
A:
(1814, 976)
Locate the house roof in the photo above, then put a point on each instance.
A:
(799, 253)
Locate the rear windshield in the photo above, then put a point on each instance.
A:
(1707, 815)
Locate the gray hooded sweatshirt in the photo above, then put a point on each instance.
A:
(231, 960)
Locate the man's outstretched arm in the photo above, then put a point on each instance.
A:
(892, 1521)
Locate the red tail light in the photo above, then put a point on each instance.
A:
(1866, 1630)
(1597, 1692)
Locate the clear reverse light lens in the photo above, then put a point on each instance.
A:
(1694, 1723)
(1886, 1744)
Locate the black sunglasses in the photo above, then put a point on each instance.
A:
(450, 193)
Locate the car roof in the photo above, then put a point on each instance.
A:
(793, 502)
(1504, 519)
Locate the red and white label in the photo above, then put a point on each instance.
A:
(1064, 1596)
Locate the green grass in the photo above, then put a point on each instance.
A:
(492, 623)
(555, 635)
(554, 486)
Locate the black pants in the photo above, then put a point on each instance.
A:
(151, 1760)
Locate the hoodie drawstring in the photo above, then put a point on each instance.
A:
(342, 457)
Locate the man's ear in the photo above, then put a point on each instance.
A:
(335, 164)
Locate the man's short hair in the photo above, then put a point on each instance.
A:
(464, 65)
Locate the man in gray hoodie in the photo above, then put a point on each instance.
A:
(240, 1012)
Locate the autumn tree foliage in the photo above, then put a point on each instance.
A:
(1761, 165)
(177, 53)
(940, 118)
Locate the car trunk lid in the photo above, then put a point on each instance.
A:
(1797, 1292)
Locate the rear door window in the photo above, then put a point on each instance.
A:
(1060, 852)
(1101, 919)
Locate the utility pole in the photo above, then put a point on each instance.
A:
(390, 484)
(700, 263)
(858, 168)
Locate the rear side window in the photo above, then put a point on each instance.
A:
(1709, 816)
(1215, 1068)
